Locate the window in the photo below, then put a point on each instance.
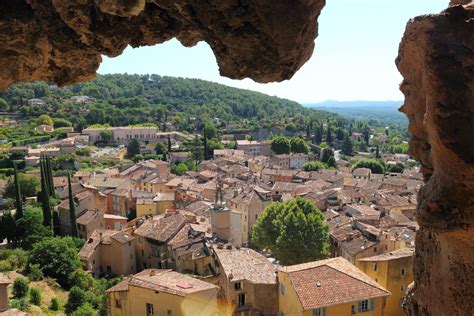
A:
(282, 289)
(118, 304)
(375, 249)
(403, 272)
(168, 312)
(149, 309)
(319, 311)
(363, 306)
(237, 286)
(402, 288)
(353, 310)
(375, 266)
(241, 299)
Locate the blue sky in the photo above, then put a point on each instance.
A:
(353, 59)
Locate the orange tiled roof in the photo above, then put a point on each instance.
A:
(331, 282)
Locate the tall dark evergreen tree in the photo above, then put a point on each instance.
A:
(45, 194)
(72, 208)
(329, 135)
(197, 150)
(206, 147)
(346, 145)
(318, 135)
(50, 176)
(366, 134)
(377, 153)
(169, 144)
(18, 197)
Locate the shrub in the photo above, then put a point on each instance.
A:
(77, 297)
(35, 296)
(54, 304)
(20, 288)
(85, 310)
(36, 273)
(20, 304)
(5, 266)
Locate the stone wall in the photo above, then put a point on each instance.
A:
(437, 62)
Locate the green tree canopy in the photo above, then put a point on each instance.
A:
(29, 186)
(133, 148)
(30, 227)
(61, 122)
(106, 134)
(313, 166)
(57, 257)
(44, 119)
(294, 231)
(373, 164)
(210, 130)
(326, 154)
(298, 145)
(347, 146)
(161, 149)
(281, 145)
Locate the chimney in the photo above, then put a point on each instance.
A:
(4, 282)
(152, 272)
(349, 236)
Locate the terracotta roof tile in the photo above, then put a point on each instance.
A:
(331, 282)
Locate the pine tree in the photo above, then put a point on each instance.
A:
(72, 208)
(377, 153)
(18, 197)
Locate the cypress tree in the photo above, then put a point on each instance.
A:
(206, 149)
(347, 145)
(329, 135)
(50, 176)
(18, 197)
(377, 153)
(169, 144)
(45, 194)
(72, 208)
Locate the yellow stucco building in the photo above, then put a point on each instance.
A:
(162, 292)
(157, 205)
(394, 271)
(330, 287)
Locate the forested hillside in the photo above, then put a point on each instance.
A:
(121, 99)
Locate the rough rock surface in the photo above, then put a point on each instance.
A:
(62, 41)
(436, 59)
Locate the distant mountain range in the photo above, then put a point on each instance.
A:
(379, 113)
(355, 104)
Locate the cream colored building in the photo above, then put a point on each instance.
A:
(247, 282)
(162, 292)
(123, 134)
(255, 148)
(109, 253)
(4, 282)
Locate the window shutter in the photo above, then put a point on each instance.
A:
(359, 307)
(324, 311)
(372, 304)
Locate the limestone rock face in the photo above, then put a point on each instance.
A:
(61, 41)
(436, 59)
